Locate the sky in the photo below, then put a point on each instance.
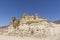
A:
(49, 9)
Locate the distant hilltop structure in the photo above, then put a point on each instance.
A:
(26, 19)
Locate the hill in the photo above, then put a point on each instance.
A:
(57, 22)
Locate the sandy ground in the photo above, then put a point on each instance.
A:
(4, 37)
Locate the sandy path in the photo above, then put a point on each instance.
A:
(3, 37)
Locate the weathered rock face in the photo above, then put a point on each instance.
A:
(34, 29)
(26, 19)
(32, 26)
(15, 23)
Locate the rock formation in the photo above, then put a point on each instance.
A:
(26, 19)
(13, 21)
(31, 26)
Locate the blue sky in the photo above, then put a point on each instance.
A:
(49, 9)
